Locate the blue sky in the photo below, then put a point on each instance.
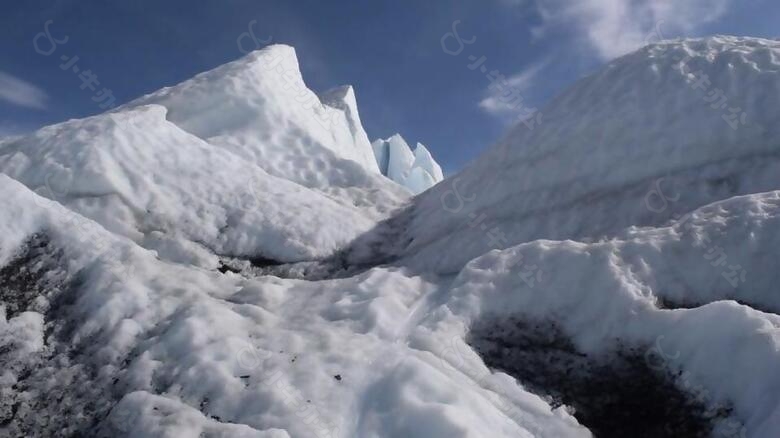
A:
(390, 51)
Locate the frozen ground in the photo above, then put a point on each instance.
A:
(610, 273)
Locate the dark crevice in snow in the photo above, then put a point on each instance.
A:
(615, 395)
(336, 266)
(328, 269)
(263, 262)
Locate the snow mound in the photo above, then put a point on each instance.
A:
(645, 139)
(416, 170)
(260, 109)
(615, 295)
(142, 177)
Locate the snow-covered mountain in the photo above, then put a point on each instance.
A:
(609, 273)
(414, 169)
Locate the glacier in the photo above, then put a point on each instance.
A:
(232, 257)
(414, 169)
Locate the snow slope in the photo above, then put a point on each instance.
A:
(634, 144)
(416, 170)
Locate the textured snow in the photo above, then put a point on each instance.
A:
(633, 219)
(141, 176)
(416, 170)
(177, 351)
(606, 294)
(260, 109)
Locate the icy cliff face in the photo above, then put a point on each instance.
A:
(414, 169)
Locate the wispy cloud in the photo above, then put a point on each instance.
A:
(615, 27)
(496, 102)
(22, 93)
(601, 30)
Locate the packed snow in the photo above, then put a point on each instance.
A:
(608, 273)
(416, 170)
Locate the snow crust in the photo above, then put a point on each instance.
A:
(416, 170)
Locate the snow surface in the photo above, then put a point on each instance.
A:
(172, 350)
(632, 220)
(416, 170)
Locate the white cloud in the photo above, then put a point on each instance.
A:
(615, 27)
(21, 93)
(504, 102)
